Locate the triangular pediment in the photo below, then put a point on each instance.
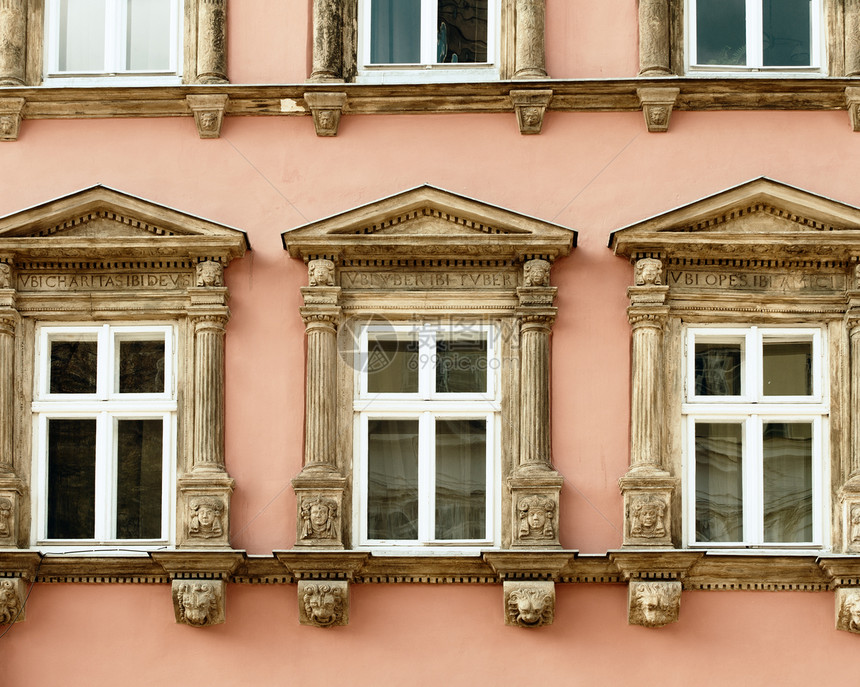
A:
(428, 222)
(759, 218)
(101, 222)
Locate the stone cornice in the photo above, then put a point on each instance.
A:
(577, 95)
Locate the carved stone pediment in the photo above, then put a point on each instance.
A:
(101, 223)
(429, 222)
(761, 218)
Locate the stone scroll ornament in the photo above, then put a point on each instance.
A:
(529, 604)
(320, 518)
(323, 604)
(654, 604)
(198, 603)
(205, 517)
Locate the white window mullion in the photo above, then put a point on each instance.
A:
(754, 34)
(490, 472)
(753, 481)
(751, 366)
(114, 36)
(105, 496)
(427, 477)
(429, 23)
(167, 474)
(818, 476)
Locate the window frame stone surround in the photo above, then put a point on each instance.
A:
(22, 42)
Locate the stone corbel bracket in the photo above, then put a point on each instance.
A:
(844, 575)
(528, 583)
(323, 583)
(657, 104)
(654, 584)
(208, 113)
(10, 118)
(852, 98)
(530, 106)
(199, 583)
(326, 109)
(17, 571)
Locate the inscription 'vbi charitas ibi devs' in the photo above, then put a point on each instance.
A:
(757, 281)
(103, 281)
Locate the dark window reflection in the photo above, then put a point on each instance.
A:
(74, 366)
(718, 369)
(141, 367)
(392, 492)
(139, 480)
(462, 31)
(71, 479)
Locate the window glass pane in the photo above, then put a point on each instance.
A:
(786, 27)
(461, 34)
(461, 479)
(141, 366)
(138, 483)
(71, 479)
(787, 454)
(721, 32)
(719, 482)
(148, 35)
(787, 368)
(395, 31)
(73, 367)
(718, 369)
(461, 362)
(392, 364)
(82, 35)
(392, 479)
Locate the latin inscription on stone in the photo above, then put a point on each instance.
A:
(427, 280)
(756, 281)
(103, 281)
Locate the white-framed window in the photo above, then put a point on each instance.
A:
(93, 39)
(427, 413)
(104, 409)
(756, 418)
(754, 35)
(424, 40)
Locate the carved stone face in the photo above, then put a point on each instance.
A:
(319, 515)
(323, 604)
(326, 119)
(5, 275)
(536, 273)
(9, 602)
(7, 126)
(196, 602)
(530, 607)
(321, 273)
(659, 114)
(647, 513)
(208, 121)
(648, 271)
(209, 273)
(531, 116)
(5, 517)
(536, 517)
(655, 604)
(206, 517)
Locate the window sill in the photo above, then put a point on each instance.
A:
(427, 74)
(107, 81)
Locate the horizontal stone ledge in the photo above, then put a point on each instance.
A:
(573, 95)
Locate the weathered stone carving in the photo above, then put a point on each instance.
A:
(653, 604)
(530, 107)
(208, 113)
(537, 517)
(326, 109)
(13, 42)
(210, 273)
(321, 273)
(529, 604)
(848, 609)
(530, 39)
(649, 272)
(5, 275)
(647, 516)
(320, 518)
(199, 603)
(205, 518)
(10, 118)
(654, 36)
(852, 96)
(6, 520)
(536, 273)
(657, 104)
(852, 39)
(211, 42)
(327, 41)
(323, 604)
(11, 600)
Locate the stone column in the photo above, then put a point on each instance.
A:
(13, 42)
(320, 485)
(530, 40)
(849, 493)
(654, 38)
(535, 485)
(212, 42)
(852, 37)
(11, 487)
(647, 486)
(206, 488)
(327, 41)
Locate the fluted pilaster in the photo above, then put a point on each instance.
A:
(209, 392)
(321, 396)
(646, 412)
(534, 402)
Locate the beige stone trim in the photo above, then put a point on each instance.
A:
(208, 113)
(657, 104)
(530, 107)
(10, 118)
(852, 97)
(326, 109)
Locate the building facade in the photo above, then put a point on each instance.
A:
(287, 395)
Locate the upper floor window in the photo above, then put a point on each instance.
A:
(427, 410)
(453, 39)
(752, 35)
(104, 409)
(110, 38)
(756, 416)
